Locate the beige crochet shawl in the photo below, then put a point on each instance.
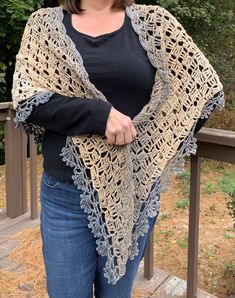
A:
(128, 178)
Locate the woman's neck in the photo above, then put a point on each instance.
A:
(97, 5)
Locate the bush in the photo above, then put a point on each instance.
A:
(14, 18)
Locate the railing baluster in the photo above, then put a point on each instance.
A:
(33, 177)
(149, 257)
(193, 226)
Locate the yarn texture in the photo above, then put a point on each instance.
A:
(125, 180)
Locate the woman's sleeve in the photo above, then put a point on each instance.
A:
(71, 116)
(205, 116)
(200, 124)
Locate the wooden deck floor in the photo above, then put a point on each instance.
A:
(162, 285)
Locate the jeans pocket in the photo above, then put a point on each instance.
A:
(50, 181)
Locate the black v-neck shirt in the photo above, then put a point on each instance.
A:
(119, 67)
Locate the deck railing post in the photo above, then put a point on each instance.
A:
(193, 226)
(33, 177)
(15, 168)
(149, 257)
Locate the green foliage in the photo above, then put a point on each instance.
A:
(208, 187)
(209, 254)
(186, 182)
(218, 42)
(182, 204)
(164, 216)
(183, 242)
(231, 207)
(228, 236)
(193, 14)
(166, 233)
(13, 20)
(213, 207)
(227, 185)
(229, 269)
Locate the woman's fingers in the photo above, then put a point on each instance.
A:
(120, 138)
(133, 132)
(119, 128)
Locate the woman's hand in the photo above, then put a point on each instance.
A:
(119, 128)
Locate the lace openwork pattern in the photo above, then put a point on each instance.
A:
(125, 180)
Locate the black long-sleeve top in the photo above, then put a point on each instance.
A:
(119, 67)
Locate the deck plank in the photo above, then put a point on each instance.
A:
(158, 279)
(27, 222)
(11, 226)
(7, 221)
(172, 287)
(175, 287)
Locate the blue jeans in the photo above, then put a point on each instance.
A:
(72, 263)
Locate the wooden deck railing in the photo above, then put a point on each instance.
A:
(17, 144)
(212, 143)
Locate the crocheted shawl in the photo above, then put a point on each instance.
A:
(125, 180)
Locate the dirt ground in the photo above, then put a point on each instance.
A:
(217, 234)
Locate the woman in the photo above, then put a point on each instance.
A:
(114, 91)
